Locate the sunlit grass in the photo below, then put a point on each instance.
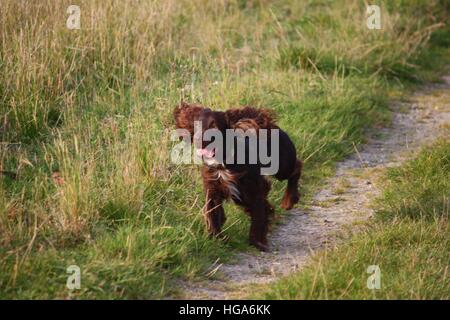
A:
(85, 114)
(408, 241)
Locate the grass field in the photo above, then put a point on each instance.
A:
(408, 241)
(85, 119)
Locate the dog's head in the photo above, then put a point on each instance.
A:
(215, 145)
(205, 125)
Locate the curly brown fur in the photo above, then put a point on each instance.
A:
(243, 184)
(264, 118)
(185, 114)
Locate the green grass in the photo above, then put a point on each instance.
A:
(408, 241)
(92, 106)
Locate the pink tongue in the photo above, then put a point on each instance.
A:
(205, 152)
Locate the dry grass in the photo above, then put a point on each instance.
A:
(84, 117)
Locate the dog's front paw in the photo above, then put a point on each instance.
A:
(289, 201)
(260, 246)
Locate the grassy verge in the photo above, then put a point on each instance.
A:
(408, 241)
(84, 117)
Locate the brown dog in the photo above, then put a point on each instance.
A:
(242, 183)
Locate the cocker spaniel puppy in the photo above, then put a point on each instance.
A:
(241, 182)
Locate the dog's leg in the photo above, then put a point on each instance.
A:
(260, 213)
(254, 191)
(292, 195)
(214, 213)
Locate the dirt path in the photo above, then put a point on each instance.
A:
(344, 201)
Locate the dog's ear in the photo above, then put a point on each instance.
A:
(185, 114)
(266, 118)
(249, 126)
(246, 124)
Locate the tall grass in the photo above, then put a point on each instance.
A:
(85, 117)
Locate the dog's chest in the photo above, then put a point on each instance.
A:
(229, 182)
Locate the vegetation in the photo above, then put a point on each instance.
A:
(86, 118)
(408, 241)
